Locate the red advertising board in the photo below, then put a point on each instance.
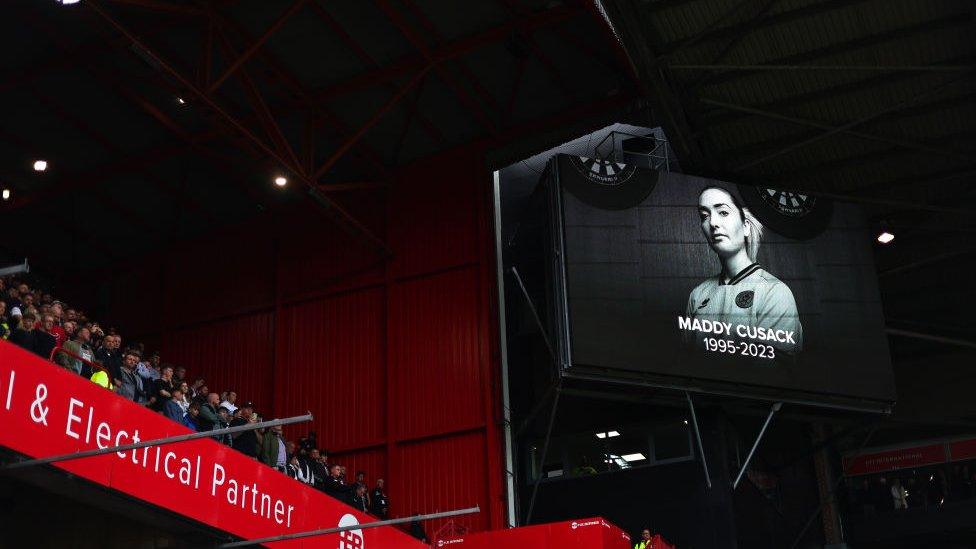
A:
(46, 410)
(962, 449)
(590, 533)
(890, 460)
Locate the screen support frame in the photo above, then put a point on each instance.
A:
(769, 418)
(701, 449)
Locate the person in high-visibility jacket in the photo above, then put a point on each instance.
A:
(652, 542)
(101, 378)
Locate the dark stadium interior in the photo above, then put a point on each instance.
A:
(165, 122)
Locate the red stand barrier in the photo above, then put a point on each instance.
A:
(590, 533)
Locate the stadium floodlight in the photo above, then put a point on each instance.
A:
(612, 434)
(601, 435)
(633, 457)
(885, 237)
(280, 181)
(181, 101)
(40, 165)
(67, 2)
(6, 194)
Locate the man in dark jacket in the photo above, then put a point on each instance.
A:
(162, 390)
(359, 498)
(111, 357)
(246, 442)
(209, 417)
(334, 485)
(379, 502)
(22, 330)
(172, 409)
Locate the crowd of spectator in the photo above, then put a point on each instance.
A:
(923, 488)
(37, 322)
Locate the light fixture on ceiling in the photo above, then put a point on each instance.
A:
(40, 165)
(67, 2)
(685, 421)
(601, 435)
(280, 181)
(6, 194)
(885, 237)
(181, 101)
(633, 457)
(611, 434)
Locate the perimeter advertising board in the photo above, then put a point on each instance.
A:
(697, 279)
(46, 410)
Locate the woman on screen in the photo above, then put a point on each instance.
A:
(744, 310)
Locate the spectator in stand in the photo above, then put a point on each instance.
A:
(296, 470)
(4, 321)
(335, 487)
(22, 333)
(173, 410)
(227, 400)
(102, 379)
(162, 392)
(184, 401)
(45, 340)
(203, 395)
(224, 423)
(246, 442)
(273, 449)
(361, 481)
(191, 415)
(380, 503)
(70, 328)
(209, 417)
(109, 354)
(79, 348)
(129, 383)
(13, 299)
(147, 371)
(359, 499)
(320, 470)
(198, 383)
(179, 375)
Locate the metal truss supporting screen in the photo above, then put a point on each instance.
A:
(697, 279)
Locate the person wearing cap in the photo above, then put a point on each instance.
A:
(246, 442)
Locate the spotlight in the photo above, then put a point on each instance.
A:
(40, 165)
(68, 2)
(6, 194)
(181, 101)
(280, 181)
(885, 237)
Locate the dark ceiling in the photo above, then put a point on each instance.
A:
(162, 119)
(866, 100)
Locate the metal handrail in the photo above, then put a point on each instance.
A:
(96, 365)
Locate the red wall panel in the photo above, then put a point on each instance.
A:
(446, 473)
(435, 353)
(333, 365)
(434, 214)
(392, 354)
(230, 354)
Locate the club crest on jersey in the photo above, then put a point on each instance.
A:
(744, 299)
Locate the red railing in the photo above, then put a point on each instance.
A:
(94, 365)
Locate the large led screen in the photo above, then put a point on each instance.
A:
(695, 278)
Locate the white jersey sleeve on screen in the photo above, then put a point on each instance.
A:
(776, 309)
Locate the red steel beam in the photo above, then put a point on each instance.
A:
(267, 119)
(368, 60)
(518, 13)
(463, 96)
(161, 7)
(445, 52)
(253, 48)
(342, 215)
(430, 28)
(369, 124)
(371, 158)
